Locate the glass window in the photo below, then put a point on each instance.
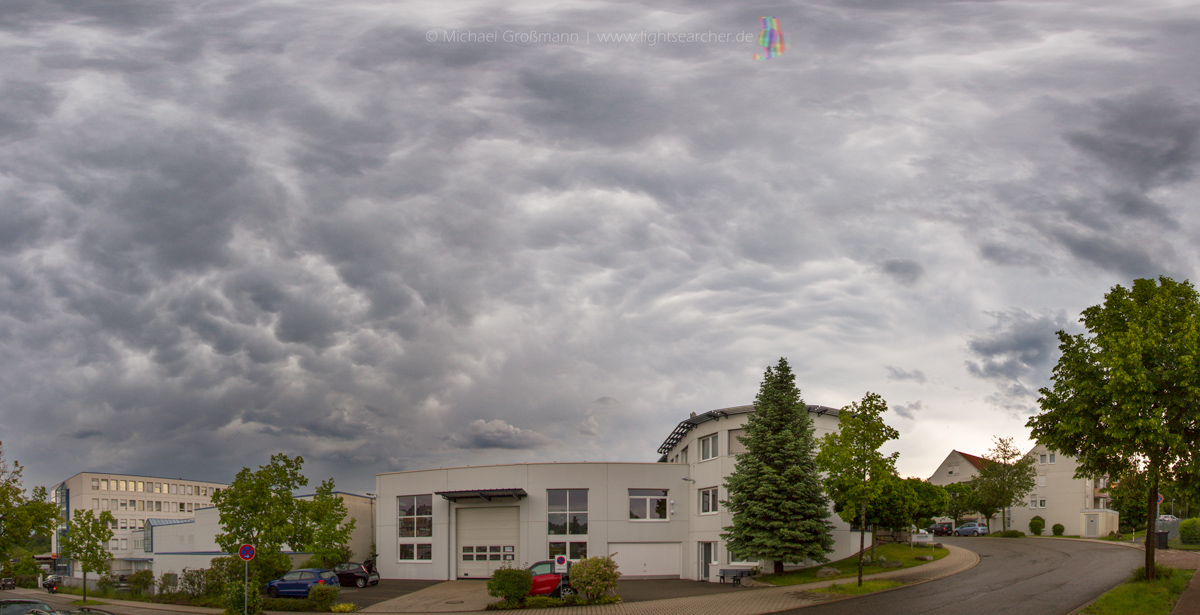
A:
(566, 512)
(104, 484)
(95, 484)
(1041, 503)
(95, 504)
(141, 486)
(578, 551)
(541, 568)
(1051, 457)
(709, 448)
(416, 521)
(708, 500)
(648, 504)
(1041, 459)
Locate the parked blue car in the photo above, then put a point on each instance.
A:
(297, 582)
(970, 529)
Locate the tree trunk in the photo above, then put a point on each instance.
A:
(1151, 519)
(862, 537)
(1003, 519)
(85, 586)
(778, 567)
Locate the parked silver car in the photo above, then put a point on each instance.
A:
(971, 528)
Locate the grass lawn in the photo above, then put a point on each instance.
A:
(849, 566)
(86, 602)
(852, 589)
(1142, 598)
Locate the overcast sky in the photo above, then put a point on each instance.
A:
(390, 236)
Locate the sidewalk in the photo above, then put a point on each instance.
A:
(751, 602)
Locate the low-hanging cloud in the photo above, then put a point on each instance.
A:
(497, 434)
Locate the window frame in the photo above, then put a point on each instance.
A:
(709, 497)
(710, 447)
(417, 545)
(646, 499)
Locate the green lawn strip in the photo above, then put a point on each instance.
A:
(1142, 598)
(86, 602)
(849, 567)
(853, 589)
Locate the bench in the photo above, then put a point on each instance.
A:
(733, 574)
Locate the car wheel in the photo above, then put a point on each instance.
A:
(374, 583)
(956, 532)
(360, 582)
(976, 533)
(566, 590)
(273, 592)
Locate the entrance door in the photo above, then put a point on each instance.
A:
(1093, 523)
(708, 557)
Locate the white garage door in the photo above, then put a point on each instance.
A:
(647, 559)
(487, 538)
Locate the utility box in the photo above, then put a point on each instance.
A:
(1160, 539)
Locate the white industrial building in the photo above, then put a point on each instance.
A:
(659, 519)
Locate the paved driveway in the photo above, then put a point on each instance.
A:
(1014, 576)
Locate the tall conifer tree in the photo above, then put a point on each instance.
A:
(779, 511)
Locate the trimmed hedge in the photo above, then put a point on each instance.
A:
(1036, 525)
(1058, 529)
(1189, 531)
(510, 584)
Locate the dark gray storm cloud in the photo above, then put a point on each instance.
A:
(230, 229)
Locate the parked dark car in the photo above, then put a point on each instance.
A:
(21, 606)
(358, 575)
(944, 528)
(546, 582)
(7, 583)
(297, 582)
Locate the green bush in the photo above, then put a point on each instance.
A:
(26, 582)
(343, 607)
(1010, 534)
(1160, 572)
(324, 595)
(288, 604)
(328, 558)
(510, 584)
(1058, 529)
(192, 582)
(542, 602)
(141, 581)
(594, 577)
(1036, 525)
(242, 595)
(1189, 531)
(105, 583)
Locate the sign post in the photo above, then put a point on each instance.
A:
(246, 552)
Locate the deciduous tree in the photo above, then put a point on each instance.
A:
(779, 511)
(961, 498)
(21, 516)
(932, 500)
(1006, 478)
(86, 542)
(1125, 396)
(854, 468)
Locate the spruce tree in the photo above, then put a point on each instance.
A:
(779, 510)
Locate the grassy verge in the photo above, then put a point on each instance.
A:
(87, 603)
(853, 589)
(849, 567)
(1141, 597)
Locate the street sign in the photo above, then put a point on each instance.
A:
(560, 564)
(1160, 498)
(246, 552)
(53, 556)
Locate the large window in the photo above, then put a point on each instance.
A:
(708, 501)
(416, 527)
(648, 505)
(709, 449)
(566, 515)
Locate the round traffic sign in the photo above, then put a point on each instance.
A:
(246, 552)
(1160, 498)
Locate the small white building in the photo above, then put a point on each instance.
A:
(1059, 497)
(661, 520)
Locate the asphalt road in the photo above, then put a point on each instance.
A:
(1014, 576)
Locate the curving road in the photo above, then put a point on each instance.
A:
(1015, 576)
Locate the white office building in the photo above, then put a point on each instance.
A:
(132, 500)
(661, 520)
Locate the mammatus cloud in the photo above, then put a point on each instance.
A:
(497, 434)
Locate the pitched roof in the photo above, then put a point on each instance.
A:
(975, 460)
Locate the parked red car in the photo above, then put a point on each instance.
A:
(546, 582)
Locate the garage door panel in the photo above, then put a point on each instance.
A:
(487, 538)
(647, 559)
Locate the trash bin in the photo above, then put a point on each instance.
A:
(1160, 539)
